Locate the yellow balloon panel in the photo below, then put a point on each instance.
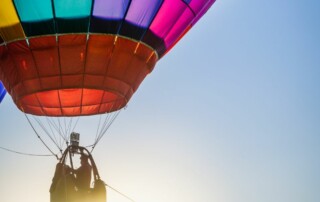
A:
(10, 27)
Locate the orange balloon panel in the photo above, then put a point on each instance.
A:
(72, 75)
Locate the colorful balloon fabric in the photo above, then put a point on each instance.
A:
(85, 57)
(2, 92)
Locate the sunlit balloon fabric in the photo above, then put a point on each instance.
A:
(84, 57)
(2, 92)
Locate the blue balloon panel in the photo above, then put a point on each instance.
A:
(2, 91)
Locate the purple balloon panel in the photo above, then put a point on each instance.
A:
(110, 9)
(142, 12)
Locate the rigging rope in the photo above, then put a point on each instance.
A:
(105, 127)
(119, 192)
(36, 133)
(75, 124)
(98, 127)
(47, 132)
(26, 154)
(58, 128)
(52, 132)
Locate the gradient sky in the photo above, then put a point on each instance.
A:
(231, 114)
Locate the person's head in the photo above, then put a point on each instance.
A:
(84, 159)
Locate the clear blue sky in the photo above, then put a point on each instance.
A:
(231, 114)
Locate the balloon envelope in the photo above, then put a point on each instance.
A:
(71, 58)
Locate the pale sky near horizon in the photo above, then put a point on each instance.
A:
(230, 114)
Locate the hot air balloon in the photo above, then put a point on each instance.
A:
(2, 91)
(71, 58)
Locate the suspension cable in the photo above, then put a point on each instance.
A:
(57, 127)
(53, 134)
(58, 130)
(26, 154)
(65, 126)
(103, 132)
(98, 127)
(36, 133)
(47, 133)
(104, 124)
(119, 192)
(104, 129)
(115, 115)
(69, 126)
(75, 124)
(61, 129)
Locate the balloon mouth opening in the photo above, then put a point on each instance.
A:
(83, 102)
